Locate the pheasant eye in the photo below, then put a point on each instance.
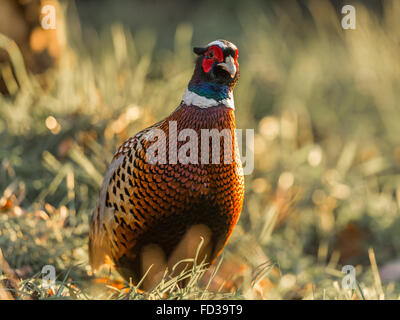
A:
(211, 54)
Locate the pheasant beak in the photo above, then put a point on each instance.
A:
(229, 66)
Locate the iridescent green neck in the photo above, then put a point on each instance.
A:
(209, 90)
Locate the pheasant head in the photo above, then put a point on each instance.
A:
(215, 75)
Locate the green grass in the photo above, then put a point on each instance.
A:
(326, 185)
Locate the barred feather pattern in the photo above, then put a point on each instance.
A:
(142, 203)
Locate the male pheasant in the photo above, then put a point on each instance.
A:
(162, 193)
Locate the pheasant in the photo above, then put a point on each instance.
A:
(163, 194)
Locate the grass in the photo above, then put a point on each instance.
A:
(325, 191)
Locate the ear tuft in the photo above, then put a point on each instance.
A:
(199, 50)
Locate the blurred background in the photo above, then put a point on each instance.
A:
(323, 102)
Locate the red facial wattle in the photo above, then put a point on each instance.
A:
(213, 54)
(207, 64)
(236, 57)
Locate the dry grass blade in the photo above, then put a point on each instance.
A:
(375, 271)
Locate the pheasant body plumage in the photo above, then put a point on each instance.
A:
(144, 204)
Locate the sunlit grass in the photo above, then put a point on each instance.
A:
(326, 186)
